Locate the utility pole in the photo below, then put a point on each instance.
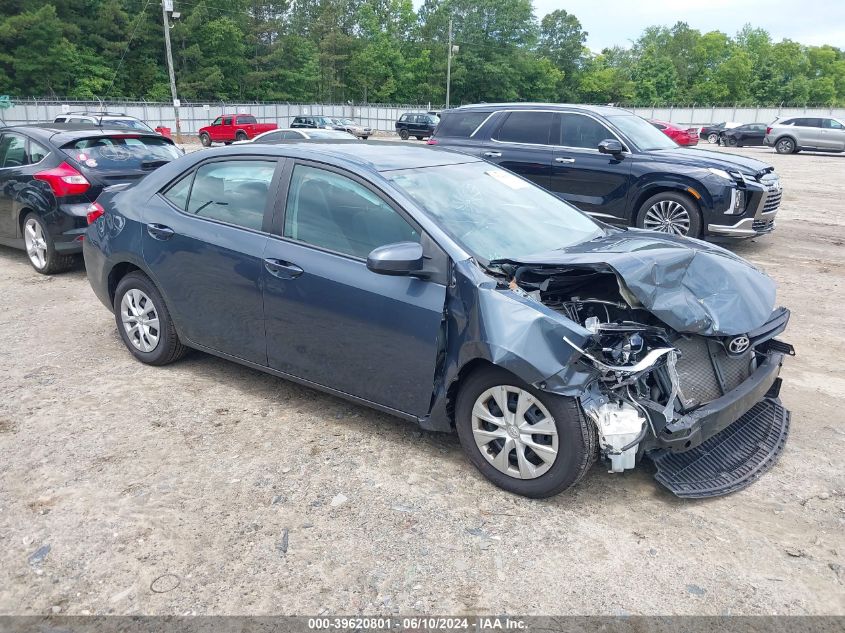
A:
(449, 65)
(167, 5)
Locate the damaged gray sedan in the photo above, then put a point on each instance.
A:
(446, 291)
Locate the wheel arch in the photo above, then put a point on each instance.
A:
(662, 187)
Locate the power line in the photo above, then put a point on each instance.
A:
(129, 41)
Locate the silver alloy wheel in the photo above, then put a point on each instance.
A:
(667, 216)
(36, 243)
(785, 146)
(712, 137)
(514, 432)
(140, 320)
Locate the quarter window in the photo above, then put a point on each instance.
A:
(178, 192)
(36, 153)
(334, 212)
(12, 150)
(527, 127)
(577, 130)
(234, 192)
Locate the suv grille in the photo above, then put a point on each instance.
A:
(773, 192)
(763, 226)
(699, 382)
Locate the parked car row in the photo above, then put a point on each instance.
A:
(459, 290)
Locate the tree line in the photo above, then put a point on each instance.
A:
(385, 51)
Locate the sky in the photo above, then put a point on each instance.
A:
(618, 22)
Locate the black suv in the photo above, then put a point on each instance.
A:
(313, 122)
(619, 168)
(419, 124)
(50, 176)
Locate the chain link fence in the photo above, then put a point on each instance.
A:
(194, 115)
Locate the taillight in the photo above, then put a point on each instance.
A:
(431, 141)
(64, 180)
(95, 210)
(768, 130)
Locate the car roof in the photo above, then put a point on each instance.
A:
(596, 109)
(377, 156)
(61, 133)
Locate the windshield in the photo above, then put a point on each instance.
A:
(132, 124)
(642, 133)
(492, 213)
(122, 153)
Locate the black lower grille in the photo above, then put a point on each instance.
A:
(730, 460)
(763, 226)
(699, 382)
(772, 201)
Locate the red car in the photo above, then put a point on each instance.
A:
(233, 127)
(682, 136)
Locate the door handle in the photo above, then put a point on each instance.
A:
(564, 160)
(282, 269)
(160, 232)
(492, 154)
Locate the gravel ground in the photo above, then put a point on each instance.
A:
(209, 488)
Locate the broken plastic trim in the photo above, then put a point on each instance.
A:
(643, 365)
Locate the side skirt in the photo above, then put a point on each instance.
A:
(307, 383)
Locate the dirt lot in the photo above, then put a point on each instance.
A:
(206, 487)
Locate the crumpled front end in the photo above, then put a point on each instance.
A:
(681, 351)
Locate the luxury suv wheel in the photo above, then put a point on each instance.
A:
(670, 212)
(523, 440)
(40, 248)
(713, 138)
(144, 322)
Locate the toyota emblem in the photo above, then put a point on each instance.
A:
(738, 344)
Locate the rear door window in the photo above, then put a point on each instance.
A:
(577, 130)
(234, 192)
(122, 153)
(12, 151)
(533, 128)
(832, 124)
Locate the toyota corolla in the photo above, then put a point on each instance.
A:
(459, 296)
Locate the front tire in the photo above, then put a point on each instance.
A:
(144, 322)
(535, 444)
(672, 213)
(40, 248)
(205, 139)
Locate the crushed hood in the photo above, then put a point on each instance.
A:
(691, 286)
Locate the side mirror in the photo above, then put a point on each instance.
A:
(611, 146)
(402, 258)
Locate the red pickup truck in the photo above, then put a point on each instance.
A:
(233, 127)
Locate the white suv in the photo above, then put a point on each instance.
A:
(107, 119)
(792, 134)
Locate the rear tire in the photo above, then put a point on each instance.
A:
(144, 323)
(670, 212)
(205, 139)
(241, 136)
(712, 138)
(403, 134)
(574, 446)
(785, 145)
(41, 250)
(365, 137)
(419, 138)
